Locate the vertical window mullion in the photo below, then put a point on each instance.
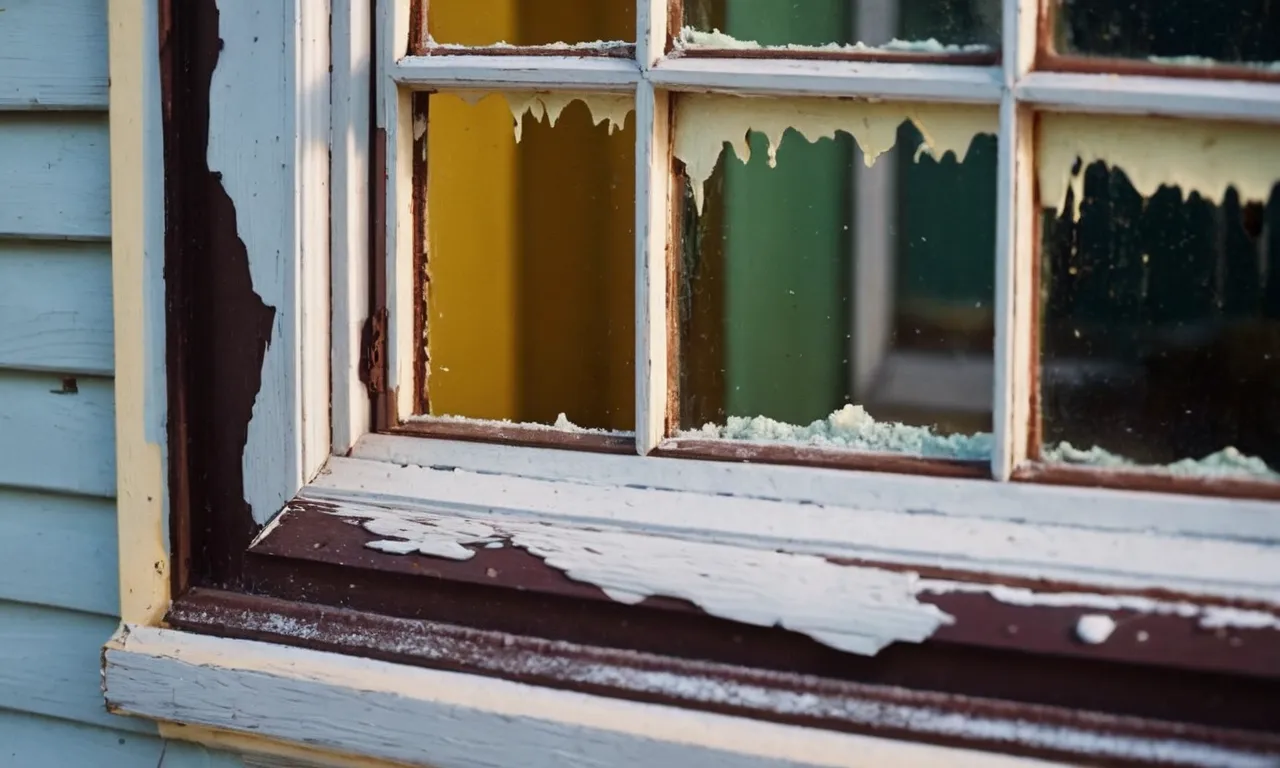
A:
(1015, 248)
(653, 184)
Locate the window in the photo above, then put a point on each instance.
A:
(822, 365)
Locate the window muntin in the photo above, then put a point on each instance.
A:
(662, 216)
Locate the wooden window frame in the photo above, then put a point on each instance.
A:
(246, 395)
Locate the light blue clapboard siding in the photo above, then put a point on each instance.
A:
(55, 307)
(49, 664)
(56, 441)
(54, 175)
(40, 742)
(53, 54)
(58, 561)
(59, 551)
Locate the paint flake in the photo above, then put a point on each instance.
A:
(853, 428)
(705, 123)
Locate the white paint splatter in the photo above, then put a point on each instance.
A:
(1095, 628)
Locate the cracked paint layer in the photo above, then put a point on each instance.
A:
(706, 123)
(717, 40)
(1206, 158)
(757, 587)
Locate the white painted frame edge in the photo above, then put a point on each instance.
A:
(447, 719)
(880, 529)
(352, 84)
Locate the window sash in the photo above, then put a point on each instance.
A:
(655, 77)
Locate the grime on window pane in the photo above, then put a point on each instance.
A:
(1160, 270)
(530, 259)
(1195, 33)
(838, 295)
(851, 26)
(531, 22)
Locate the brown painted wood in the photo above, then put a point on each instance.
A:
(607, 52)
(316, 533)
(1152, 481)
(519, 434)
(217, 325)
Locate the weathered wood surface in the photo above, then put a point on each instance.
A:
(53, 439)
(54, 176)
(55, 307)
(58, 551)
(53, 54)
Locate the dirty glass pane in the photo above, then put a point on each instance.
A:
(1190, 32)
(826, 303)
(530, 22)
(1161, 329)
(906, 26)
(530, 259)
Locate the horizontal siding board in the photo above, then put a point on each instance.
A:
(53, 54)
(30, 740)
(50, 662)
(54, 176)
(59, 551)
(57, 442)
(55, 307)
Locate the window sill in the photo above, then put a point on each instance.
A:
(446, 719)
(699, 612)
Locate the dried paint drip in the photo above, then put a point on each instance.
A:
(1201, 157)
(704, 124)
(604, 107)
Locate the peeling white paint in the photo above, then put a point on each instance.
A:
(872, 608)
(1209, 617)
(1196, 156)
(705, 123)
(715, 39)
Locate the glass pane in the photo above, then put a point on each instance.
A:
(904, 26)
(1192, 32)
(530, 22)
(531, 260)
(824, 302)
(1161, 309)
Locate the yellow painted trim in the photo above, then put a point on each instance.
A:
(144, 559)
(239, 743)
